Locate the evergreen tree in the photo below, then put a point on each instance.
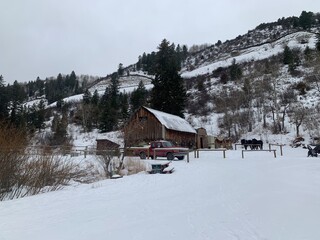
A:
(184, 52)
(17, 92)
(305, 20)
(235, 71)
(95, 98)
(287, 56)
(114, 91)
(18, 116)
(139, 64)
(86, 99)
(138, 97)
(40, 115)
(124, 104)
(108, 114)
(168, 93)
(59, 129)
(120, 69)
(39, 86)
(72, 83)
(3, 100)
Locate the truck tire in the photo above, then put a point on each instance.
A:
(170, 156)
(142, 155)
(180, 157)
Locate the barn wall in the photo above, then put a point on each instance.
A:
(183, 139)
(143, 126)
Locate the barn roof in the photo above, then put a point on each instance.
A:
(172, 122)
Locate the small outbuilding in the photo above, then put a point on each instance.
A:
(148, 124)
(202, 138)
(105, 144)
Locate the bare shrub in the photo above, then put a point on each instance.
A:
(109, 161)
(43, 173)
(24, 173)
(12, 159)
(51, 172)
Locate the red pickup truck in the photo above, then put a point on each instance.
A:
(161, 148)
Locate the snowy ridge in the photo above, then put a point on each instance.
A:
(255, 53)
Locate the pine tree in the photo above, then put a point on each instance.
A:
(235, 71)
(168, 93)
(18, 116)
(184, 52)
(114, 91)
(59, 129)
(287, 56)
(39, 86)
(124, 104)
(3, 100)
(40, 115)
(138, 97)
(86, 99)
(139, 63)
(17, 92)
(120, 69)
(305, 20)
(95, 98)
(108, 114)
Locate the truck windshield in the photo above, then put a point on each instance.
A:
(167, 144)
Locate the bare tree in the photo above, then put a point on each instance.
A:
(298, 115)
(287, 98)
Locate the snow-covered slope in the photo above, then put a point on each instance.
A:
(255, 53)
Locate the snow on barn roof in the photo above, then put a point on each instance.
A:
(172, 122)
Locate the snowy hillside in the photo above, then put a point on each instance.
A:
(263, 51)
(258, 197)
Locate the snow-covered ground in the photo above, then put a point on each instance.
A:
(256, 198)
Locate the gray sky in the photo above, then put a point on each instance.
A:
(46, 37)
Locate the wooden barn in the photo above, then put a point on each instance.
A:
(147, 125)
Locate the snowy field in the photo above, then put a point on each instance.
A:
(256, 198)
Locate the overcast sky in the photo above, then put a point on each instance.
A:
(47, 37)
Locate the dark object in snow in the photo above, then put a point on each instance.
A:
(161, 167)
(317, 149)
(312, 152)
(254, 144)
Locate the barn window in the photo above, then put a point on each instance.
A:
(143, 119)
